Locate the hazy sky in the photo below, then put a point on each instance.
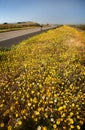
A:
(43, 11)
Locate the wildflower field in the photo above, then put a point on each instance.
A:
(42, 82)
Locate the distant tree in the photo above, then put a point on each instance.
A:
(5, 23)
(47, 24)
(19, 22)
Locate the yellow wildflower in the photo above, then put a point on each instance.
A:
(58, 122)
(71, 121)
(71, 114)
(9, 127)
(60, 108)
(16, 115)
(2, 124)
(1, 105)
(78, 127)
(54, 126)
(19, 122)
(44, 128)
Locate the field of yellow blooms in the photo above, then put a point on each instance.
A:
(42, 82)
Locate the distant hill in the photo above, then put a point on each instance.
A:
(16, 26)
(30, 23)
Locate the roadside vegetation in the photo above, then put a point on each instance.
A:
(17, 26)
(42, 82)
(81, 26)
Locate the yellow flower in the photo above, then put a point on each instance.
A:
(19, 122)
(29, 104)
(73, 104)
(35, 119)
(78, 117)
(84, 72)
(2, 124)
(24, 117)
(58, 122)
(36, 113)
(71, 126)
(11, 108)
(78, 127)
(63, 115)
(39, 109)
(45, 114)
(39, 128)
(60, 108)
(6, 112)
(64, 106)
(25, 65)
(54, 126)
(71, 121)
(81, 122)
(1, 105)
(23, 111)
(71, 114)
(9, 127)
(44, 128)
(62, 83)
(16, 115)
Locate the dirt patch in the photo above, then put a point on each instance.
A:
(75, 42)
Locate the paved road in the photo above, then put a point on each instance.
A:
(7, 39)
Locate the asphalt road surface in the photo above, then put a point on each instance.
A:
(8, 39)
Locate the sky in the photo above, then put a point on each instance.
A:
(43, 11)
